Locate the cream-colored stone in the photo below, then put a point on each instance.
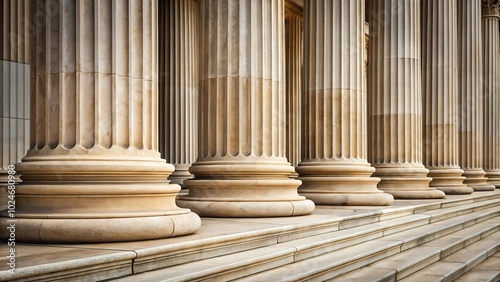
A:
(489, 23)
(334, 170)
(394, 100)
(178, 85)
(241, 170)
(93, 172)
(439, 96)
(470, 98)
(293, 56)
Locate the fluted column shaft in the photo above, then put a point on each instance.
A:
(241, 168)
(470, 102)
(439, 94)
(93, 168)
(178, 85)
(14, 84)
(489, 22)
(394, 99)
(293, 56)
(334, 169)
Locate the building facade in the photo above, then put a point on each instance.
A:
(259, 108)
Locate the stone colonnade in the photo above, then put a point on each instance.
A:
(248, 100)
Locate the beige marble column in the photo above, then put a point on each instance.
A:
(334, 170)
(14, 86)
(439, 95)
(93, 172)
(489, 22)
(293, 55)
(470, 102)
(178, 85)
(394, 99)
(242, 170)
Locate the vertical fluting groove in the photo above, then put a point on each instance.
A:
(470, 71)
(491, 141)
(394, 108)
(395, 99)
(439, 96)
(93, 75)
(439, 80)
(293, 57)
(241, 169)
(334, 169)
(15, 58)
(332, 88)
(245, 42)
(178, 89)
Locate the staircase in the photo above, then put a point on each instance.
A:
(440, 241)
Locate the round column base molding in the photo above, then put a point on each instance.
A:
(247, 209)
(100, 230)
(414, 194)
(455, 190)
(493, 177)
(449, 180)
(341, 184)
(349, 198)
(253, 197)
(475, 179)
(406, 181)
(180, 174)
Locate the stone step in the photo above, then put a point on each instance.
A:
(443, 259)
(488, 270)
(338, 226)
(353, 248)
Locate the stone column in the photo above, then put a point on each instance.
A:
(93, 172)
(439, 95)
(178, 85)
(470, 102)
(489, 22)
(293, 88)
(334, 170)
(14, 86)
(394, 99)
(241, 170)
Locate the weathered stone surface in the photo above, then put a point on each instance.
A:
(439, 96)
(93, 172)
(242, 170)
(334, 170)
(394, 100)
(489, 23)
(470, 101)
(178, 85)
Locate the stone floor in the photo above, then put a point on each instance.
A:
(216, 235)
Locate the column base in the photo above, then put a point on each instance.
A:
(247, 209)
(474, 178)
(100, 230)
(406, 181)
(493, 177)
(341, 184)
(180, 174)
(244, 189)
(79, 199)
(449, 180)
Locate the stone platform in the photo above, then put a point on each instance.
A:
(401, 241)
